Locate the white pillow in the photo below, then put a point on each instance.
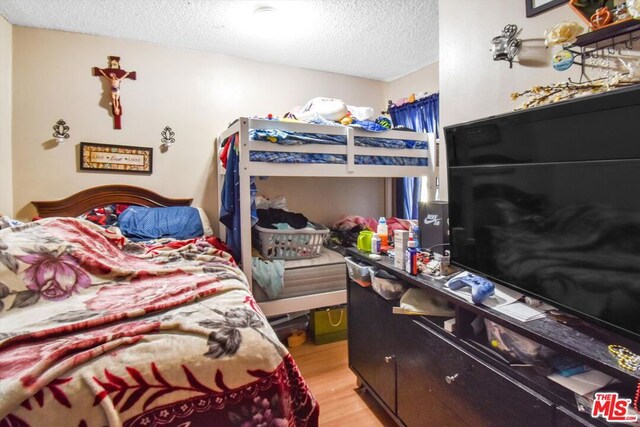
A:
(327, 108)
(206, 225)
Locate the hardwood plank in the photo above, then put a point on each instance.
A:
(326, 370)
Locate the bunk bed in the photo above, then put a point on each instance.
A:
(295, 149)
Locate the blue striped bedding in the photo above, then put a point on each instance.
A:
(296, 138)
(279, 157)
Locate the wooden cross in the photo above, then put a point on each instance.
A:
(115, 75)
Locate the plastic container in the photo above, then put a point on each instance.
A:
(411, 260)
(383, 231)
(286, 325)
(358, 272)
(375, 243)
(291, 244)
(364, 241)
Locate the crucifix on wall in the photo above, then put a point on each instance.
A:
(114, 74)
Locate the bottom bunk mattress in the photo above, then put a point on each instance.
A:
(96, 330)
(310, 276)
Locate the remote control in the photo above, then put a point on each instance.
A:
(481, 288)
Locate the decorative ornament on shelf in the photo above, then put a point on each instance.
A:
(601, 18)
(167, 136)
(544, 95)
(633, 8)
(60, 131)
(506, 46)
(621, 12)
(632, 67)
(563, 33)
(599, 14)
(563, 60)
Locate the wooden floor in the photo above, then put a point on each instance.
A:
(342, 403)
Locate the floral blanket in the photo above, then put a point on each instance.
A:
(96, 330)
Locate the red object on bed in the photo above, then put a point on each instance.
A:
(97, 330)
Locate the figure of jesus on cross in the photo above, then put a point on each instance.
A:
(115, 75)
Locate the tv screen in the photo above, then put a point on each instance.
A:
(547, 201)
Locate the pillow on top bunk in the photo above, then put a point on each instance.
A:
(145, 223)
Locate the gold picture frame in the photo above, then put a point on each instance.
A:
(116, 158)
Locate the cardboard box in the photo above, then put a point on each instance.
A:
(329, 325)
(400, 241)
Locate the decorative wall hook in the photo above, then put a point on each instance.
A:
(506, 46)
(60, 131)
(167, 136)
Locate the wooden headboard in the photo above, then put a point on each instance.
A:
(81, 202)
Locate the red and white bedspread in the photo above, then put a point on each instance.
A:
(96, 330)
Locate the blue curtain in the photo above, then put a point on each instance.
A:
(421, 116)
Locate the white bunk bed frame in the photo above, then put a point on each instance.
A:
(249, 168)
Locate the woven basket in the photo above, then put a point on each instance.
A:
(291, 244)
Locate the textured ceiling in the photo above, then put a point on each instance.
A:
(377, 39)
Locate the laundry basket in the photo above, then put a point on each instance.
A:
(291, 244)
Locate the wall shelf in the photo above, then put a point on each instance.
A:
(612, 38)
(613, 31)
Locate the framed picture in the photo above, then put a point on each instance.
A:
(535, 7)
(118, 158)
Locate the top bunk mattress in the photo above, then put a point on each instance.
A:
(284, 137)
(292, 138)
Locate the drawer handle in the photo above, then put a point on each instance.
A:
(451, 378)
(388, 359)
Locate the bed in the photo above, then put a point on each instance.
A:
(294, 149)
(98, 330)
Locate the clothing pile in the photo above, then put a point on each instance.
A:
(269, 274)
(344, 233)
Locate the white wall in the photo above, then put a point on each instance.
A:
(426, 79)
(195, 93)
(6, 177)
(472, 85)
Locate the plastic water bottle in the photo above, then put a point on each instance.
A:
(416, 235)
(383, 231)
(375, 244)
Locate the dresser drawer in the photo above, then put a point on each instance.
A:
(477, 393)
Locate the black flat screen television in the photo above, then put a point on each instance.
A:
(547, 201)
